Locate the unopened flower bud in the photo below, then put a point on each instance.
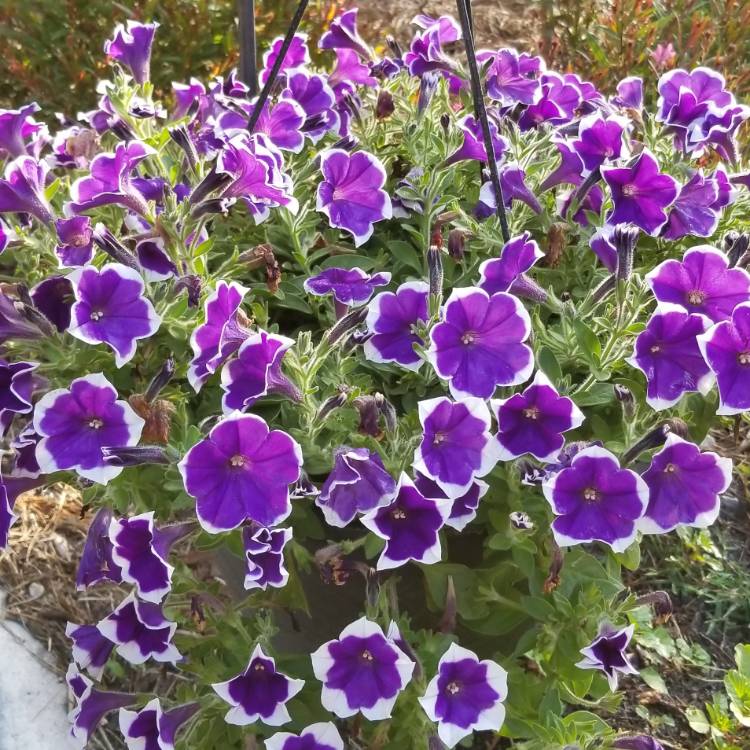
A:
(661, 603)
(369, 415)
(394, 47)
(346, 324)
(181, 137)
(624, 238)
(445, 122)
(388, 411)
(656, 438)
(136, 455)
(212, 206)
(384, 107)
(448, 620)
(524, 286)
(303, 487)
(211, 183)
(625, 396)
(736, 246)
(347, 143)
(605, 288)
(555, 568)
(331, 404)
(435, 270)
(427, 89)
(192, 285)
(456, 244)
(165, 374)
(113, 247)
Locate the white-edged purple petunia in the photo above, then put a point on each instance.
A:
(96, 563)
(17, 384)
(154, 260)
(361, 670)
(241, 471)
(351, 193)
(667, 353)
(256, 372)
(140, 550)
(465, 695)
(392, 320)
(410, 526)
(140, 631)
(726, 350)
(320, 736)
(684, 486)
(534, 421)
(518, 255)
(264, 557)
(606, 653)
(111, 308)
(463, 508)
(478, 344)
(348, 286)
(22, 189)
(702, 282)
(358, 483)
(131, 46)
(221, 333)
(595, 500)
(456, 446)
(693, 212)
(90, 649)
(152, 728)
(259, 693)
(77, 422)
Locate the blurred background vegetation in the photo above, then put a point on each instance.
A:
(52, 49)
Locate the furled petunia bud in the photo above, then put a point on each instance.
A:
(113, 247)
(655, 438)
(435, 270)
(521, 521)
(180, 136)
(735, 246)
(394, 47)
(625, 396)
(624, 238)
(456, 244)
(137, 455)
(427, 89)
(346, 324)
(384, 107)
(192, 285)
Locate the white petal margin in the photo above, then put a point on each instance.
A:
(124, 564)
(130, 274)
(100, 474)
(647, 525)
(490, 719)
(335, 700)
(237, 714)
(373, 315)
(80, 656)
(641, 489)
(324, 733)
(591, 662)
(432, 554)
(477, 409)
(127, 718)
(250, 583)
(459, 523)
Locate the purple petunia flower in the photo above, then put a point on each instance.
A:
(393, 319)
(508, 82)
(693, 211)
(559, 99)
(154, 260)
(111, 308)
(140, 551)
(20, 133)
(349, 286)
(570, 169)
(140, 631)
(17, 384)
(320, 736)
(629, 93)
(667, 353)
(600, 139)
(701, 282)
(297, 56)
(91, 705)
(7, 235)
(76, 236)
(637, 742)
(111, 181)
(152, 728)
(640, 193)
(465, 695)
(77, 422)
(726, 350)
(96, 563)
(259, 693)
(456, 446)
(534, 421)
(602, 244)
(316, 98)
(517, 256)
(264, 557)
(472, 146)
(361, 670)
(684, 486)
(241, 471)
(256, 372)
(351, 194)
(22, 189)
(221, 333)
(410, 525)
(478, 345)
(463, 508)
(607, 653)
(53, 297)
(131, 46)
(358, 483)
(342, 34)
(513, 184)
(595, 500)
(426, 53)
(90, 650)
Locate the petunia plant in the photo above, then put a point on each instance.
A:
(373, 385)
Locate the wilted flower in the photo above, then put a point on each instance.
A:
(410, 525)
(534, 421)
(241, 471)
(361, 670)
(466, 695)
(17, 384)
(96, 563)
(76, 423)
(595, 500)
(607, 653)
(259, 693)
(76, 247)
(351, 193)
(321, 736)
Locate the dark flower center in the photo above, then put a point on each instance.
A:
(452, 688)
(398, 514)
(655, 349)
(629, 190)
(532, 412)
(592, 495)
(237, 461)
(259, 667)
(96, 315)
(95, 423)
(609, 152)
(670, 468)
(79, 240)
(367, 656)
(468, 338)
(438, 438)
(696, 297)
(744, 358)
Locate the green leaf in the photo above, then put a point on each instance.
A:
(654, 680)
(597, 395)
(406, 254)
(587, 341)
(697, 720)
(631, 557)
(549, 365)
